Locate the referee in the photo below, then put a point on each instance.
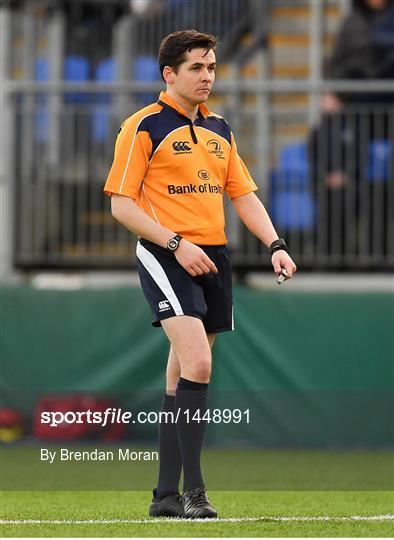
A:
(174, 160)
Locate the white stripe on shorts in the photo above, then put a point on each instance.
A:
(155, 269)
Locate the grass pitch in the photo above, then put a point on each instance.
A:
(121, 514)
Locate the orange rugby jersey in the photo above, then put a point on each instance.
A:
(178, 171)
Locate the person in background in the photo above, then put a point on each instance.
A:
(338, 146)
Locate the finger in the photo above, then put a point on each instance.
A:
(197, 269)
(288, 269)
(211, 265)
(277, 267)
(191, 271)
(292, 267)
(204, 267)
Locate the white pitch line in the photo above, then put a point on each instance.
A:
(385, 517)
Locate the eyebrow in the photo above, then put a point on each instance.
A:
(200, 64)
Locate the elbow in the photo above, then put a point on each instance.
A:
(115, 211)
(120, 205)
(123, 209)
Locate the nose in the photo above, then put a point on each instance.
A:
(206, 75)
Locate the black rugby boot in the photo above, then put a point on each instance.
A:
(169, 505)
(196, 504)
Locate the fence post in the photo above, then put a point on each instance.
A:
(124, 47)
(6, 151)
(316, 30)
(56, 62)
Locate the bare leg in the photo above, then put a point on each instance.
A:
(174, 367)
(192, 347)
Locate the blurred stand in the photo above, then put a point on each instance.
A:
(73, 71)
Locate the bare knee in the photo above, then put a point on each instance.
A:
(200, 369)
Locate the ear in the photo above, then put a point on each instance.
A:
(168, 74)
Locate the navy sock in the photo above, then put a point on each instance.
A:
(170, 455)
(192, 396)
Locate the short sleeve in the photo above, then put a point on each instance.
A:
(239, 182)
(132, 150)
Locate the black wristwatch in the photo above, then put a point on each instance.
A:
(277, 245)
(173, 243)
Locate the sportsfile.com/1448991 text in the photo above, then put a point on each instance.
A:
(114, 415)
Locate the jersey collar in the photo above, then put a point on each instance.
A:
(165, 98)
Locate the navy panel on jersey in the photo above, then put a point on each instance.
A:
(216, 125)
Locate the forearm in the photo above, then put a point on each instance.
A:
(131, 216)
(252, 212)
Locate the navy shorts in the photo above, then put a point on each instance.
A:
(171, 290)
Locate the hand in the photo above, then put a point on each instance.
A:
(193, 259)
(281, 259)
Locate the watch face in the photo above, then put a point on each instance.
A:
(173, 244)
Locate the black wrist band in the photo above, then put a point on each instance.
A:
(277, 245)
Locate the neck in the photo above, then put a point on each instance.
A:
(191, 110)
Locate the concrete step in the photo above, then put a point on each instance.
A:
(290, 100)
(290, 71)
(296, 40)
(301, 26)
(303, 11)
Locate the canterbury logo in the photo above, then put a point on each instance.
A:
(181, 146)
(164, 305)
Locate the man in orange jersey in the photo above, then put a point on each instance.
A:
(174, 160)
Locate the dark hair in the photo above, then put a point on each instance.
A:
(174, 46)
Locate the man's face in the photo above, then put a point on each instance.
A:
(195, 76)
